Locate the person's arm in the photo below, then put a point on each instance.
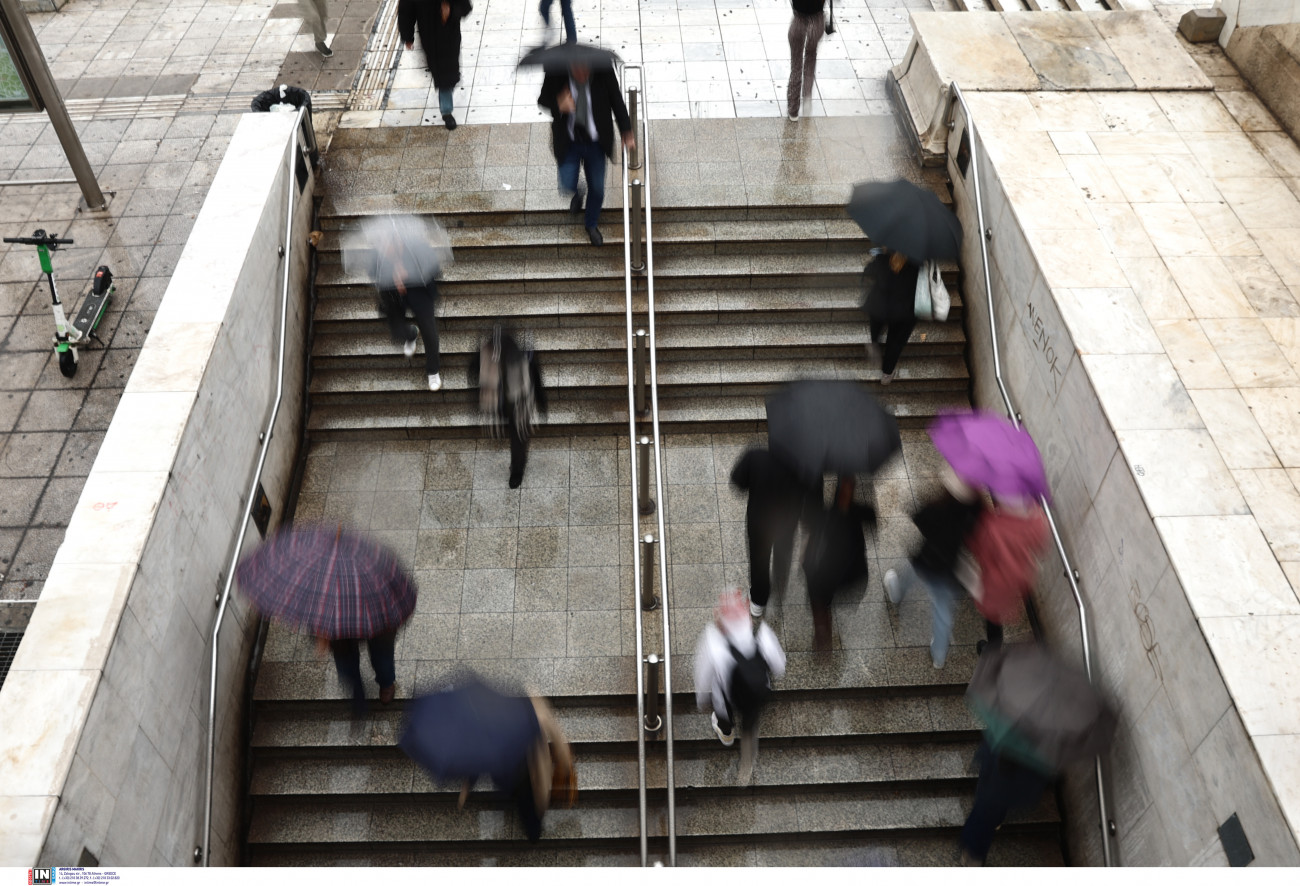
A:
(549, 98)
(461, 8)
(703, 672)
(770, 648)
(406, 21)
(620, 109)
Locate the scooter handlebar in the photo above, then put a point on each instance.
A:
(40, 238)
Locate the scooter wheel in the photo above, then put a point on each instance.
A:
(68, 363)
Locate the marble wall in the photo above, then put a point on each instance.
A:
(1182, 762)
(1255, 13)
(122, 636)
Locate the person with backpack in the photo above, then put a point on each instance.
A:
(734, 667)
(944, 523)
(1006, 544)
(511, 393)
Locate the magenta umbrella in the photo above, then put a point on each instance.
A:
(986, 450)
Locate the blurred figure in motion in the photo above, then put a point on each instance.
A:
(1006, 544)
(1005, 785)
(776, 501)
(439, 24)
(944, 523)
(836, 556)
(347, 659)
(566, 13)
(511, 393)
(807, 26)
(546, 775)
(890, 282)
(734, 665)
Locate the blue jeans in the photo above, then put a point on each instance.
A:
(566, 12)
(592, 159)
(444, 100)
(944, 591)
(1004, 786)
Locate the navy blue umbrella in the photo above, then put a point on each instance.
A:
(470, 730)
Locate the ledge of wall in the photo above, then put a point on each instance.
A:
(1269, 58)
(105, 706)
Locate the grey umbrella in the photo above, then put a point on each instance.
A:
(817, 427)
(388, 249)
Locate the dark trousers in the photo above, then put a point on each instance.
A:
(994, 633)
(895, 333)
(526, 804)
(347, 658)
(771, 547)
(566, 11)
(420, 301)
(1003, 787)
(518, 450)
(591, 158)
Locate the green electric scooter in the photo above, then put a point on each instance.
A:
(93, 305)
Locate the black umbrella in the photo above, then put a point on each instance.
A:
(906, 218)
(829, 426)
(565, 55)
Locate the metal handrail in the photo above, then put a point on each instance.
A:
(629, 226)
(986, 234)
(224, 600)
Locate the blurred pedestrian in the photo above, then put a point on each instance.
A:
(399, 292)
(511, 393)
(806, 29)
(566, 12)
(314, 13)
(581, 101)
(776, 501)
(734, 665)
(545, 774)
(439, 25)
(1005, 785)
(1006, 544)
(836, 556)
(347, 659)
(945, 523)
(890, 280)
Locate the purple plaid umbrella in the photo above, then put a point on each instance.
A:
(986, 450)
(336, 584)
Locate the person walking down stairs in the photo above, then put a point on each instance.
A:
(890, 281)
(439, 25)
(511, 393)
(777, 501)
(734, 665)
(836, 556)
(806, 30)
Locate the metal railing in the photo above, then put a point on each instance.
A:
(265, 438)
(986, 234)
(640, 343)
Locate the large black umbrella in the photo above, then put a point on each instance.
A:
(564, 55)
(906, 218)
(817, 427)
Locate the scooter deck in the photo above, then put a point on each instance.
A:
(92, 310)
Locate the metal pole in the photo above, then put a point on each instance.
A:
(13, 183)
(648, 599)
(30, 55)
(638, 262)
(645, 504)
(653, 722)
(633, 153)
(641, 347)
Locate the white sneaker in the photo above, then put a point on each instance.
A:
(727, 738)
(888, 377)
(891, 586)
(794, 117)
(435, 381)
(408, 348)
(755, 610)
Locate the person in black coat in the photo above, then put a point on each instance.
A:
(890, 280)
(509, 378)
(776, 500)
(836, 556)
(581, 101)
(439, 24)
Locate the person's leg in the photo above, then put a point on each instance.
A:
(568, 171)
(943, 605)
(593, 165)
(783, 554)
(570, 26)
(421, 302)
(313, 14)
(383, 658)
(445, 101)
(899, 581)
(518, 452)
(760, 555)
(545, 10)
(988, 812)
(347, 658)
(393, 310)
(798, 35)
(878, 329)
(526, 804)
(993, 632)
(816, 27)
(899, 330)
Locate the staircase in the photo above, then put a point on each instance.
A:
(864, 755)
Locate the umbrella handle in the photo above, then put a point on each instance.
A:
(464, 794)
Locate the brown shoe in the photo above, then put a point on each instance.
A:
(822, 641)
(386, 693)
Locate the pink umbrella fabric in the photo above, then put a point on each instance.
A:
(986, 450)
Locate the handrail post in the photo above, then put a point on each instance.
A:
(653, 722)
(648, 599)
(638, 261)
(645, 504)
(642, 345)
(634, 152)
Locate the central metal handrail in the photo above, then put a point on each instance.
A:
(224, 599)
(631, 233)
(985, 234)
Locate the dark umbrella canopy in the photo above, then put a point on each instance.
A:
(817, 427)
(564, 55)
(470, 730)
(1038, 708)
(906, 218)
(334, 583)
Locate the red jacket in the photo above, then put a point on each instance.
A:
(1007, 547)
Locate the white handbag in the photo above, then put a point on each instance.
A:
(932, 299)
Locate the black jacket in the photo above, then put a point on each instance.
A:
(944, 524)
(836, 556)
(606, 98)
(776, 497)
(808, 7)
(441, 41)
(891, 297)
